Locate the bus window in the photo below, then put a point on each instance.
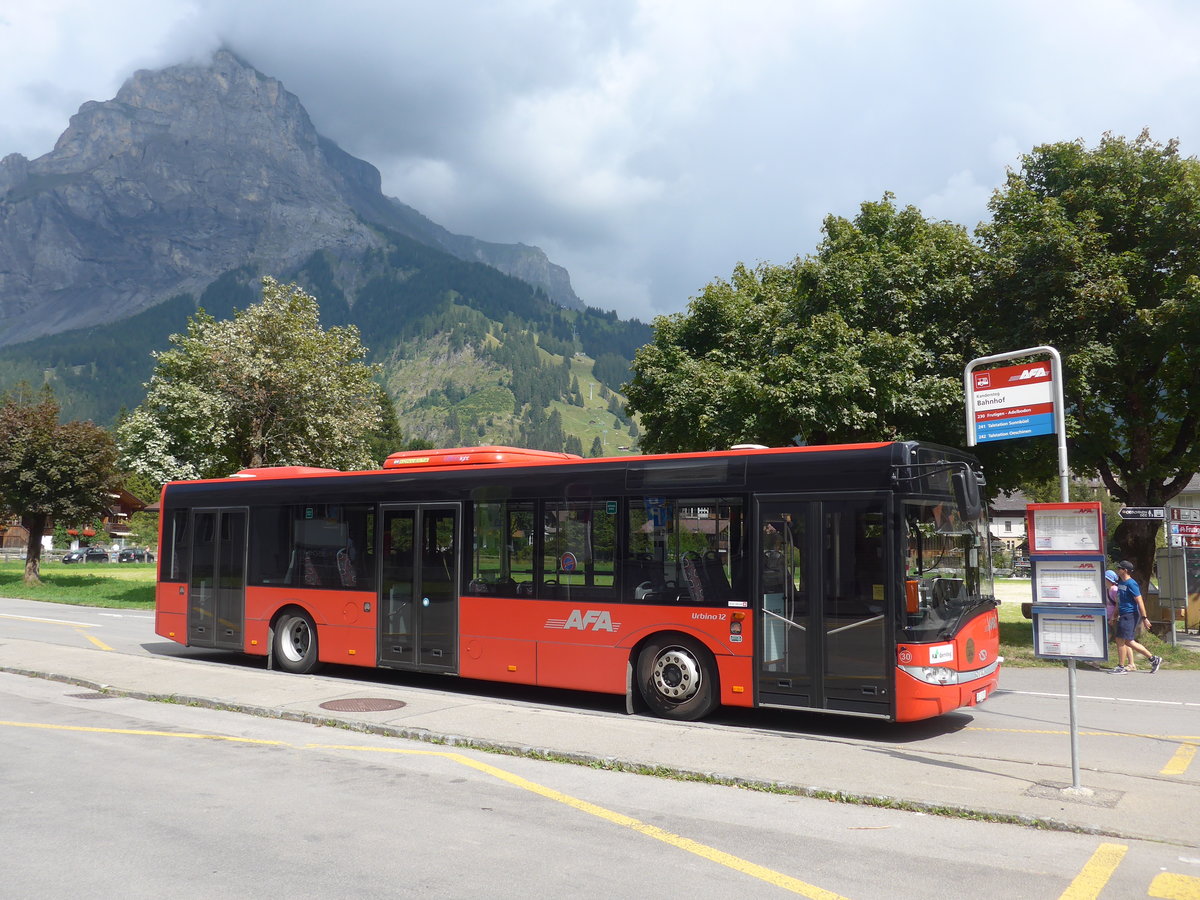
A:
(271, 545)
(948, 570)
(317, 545)
(685, 549)
(579, 541)
(502, 551)
(174, 557)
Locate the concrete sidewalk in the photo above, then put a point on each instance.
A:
(957, 762)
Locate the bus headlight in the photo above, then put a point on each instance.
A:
(932, 674)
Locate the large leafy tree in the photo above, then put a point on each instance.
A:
(865, 340)
(267, 387)
(51, 470)
(1096, 252)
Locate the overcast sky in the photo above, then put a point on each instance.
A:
(650, 146)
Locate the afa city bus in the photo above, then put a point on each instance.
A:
(849, 579)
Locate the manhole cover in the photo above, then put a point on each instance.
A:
(361, 704)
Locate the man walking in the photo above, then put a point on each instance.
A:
(1131, 612)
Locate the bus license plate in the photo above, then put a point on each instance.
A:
(980, 696)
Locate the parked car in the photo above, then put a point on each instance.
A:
(135, 554)
(86, 554)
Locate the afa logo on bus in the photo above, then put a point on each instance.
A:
(592, 620)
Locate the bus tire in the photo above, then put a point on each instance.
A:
(677, 677)
(296, 642)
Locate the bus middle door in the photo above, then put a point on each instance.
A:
(418, 602)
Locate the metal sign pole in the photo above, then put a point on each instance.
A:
(1064, 481)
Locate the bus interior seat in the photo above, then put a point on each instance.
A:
(646, 579)
(322, 567)
(705, 578)
(345, 568)
(312, 577)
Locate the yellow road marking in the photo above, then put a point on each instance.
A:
(95, 640)
(720, 857)
(1095, 874)
(146, 733)
(1175, 887)
(50, 621)
(1180, 761)
(1177, 766)
(78, 626)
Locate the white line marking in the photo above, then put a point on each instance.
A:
(1184, 703)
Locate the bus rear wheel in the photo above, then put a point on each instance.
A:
(296, 642)
(677, 678)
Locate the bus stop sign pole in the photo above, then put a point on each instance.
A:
(1016, 413)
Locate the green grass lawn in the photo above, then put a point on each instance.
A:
(1016, 635)
(110, 585)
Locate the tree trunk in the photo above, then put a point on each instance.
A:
(1138, 541)
(35, 525)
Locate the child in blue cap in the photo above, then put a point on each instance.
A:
(1110, 596)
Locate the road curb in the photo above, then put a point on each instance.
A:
(617, 764)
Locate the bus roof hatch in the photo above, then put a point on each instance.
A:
(474, 456)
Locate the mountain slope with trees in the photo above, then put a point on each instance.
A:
(194, 183)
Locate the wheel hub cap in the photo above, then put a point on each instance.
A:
(676, 675)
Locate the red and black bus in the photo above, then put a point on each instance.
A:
(849, 579)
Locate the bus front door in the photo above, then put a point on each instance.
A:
(418, 600)
(217, 581)
(822, 591)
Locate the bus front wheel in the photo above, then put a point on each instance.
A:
(296, 642)
(677, 678)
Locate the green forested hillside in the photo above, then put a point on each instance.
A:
(471, 356)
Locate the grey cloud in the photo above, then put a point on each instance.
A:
(649, 147)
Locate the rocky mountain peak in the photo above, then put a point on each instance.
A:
(225, 101)
(189, 172)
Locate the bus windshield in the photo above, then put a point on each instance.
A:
(949, 570)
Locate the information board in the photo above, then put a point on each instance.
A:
(1065, 633)
(1068, 582)
(1183, 530)
(1010, 402)
(1055, 528)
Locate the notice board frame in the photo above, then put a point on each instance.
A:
(1093, 618)
(1087, 539)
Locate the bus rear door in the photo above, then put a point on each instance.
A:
(217, 580)
(823, 640)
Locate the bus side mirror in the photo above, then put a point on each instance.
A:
(966, 493)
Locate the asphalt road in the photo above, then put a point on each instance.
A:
(154, 797)
(149, 799)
